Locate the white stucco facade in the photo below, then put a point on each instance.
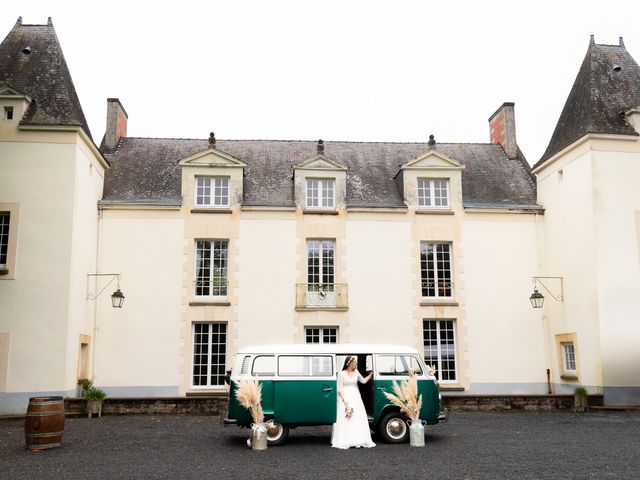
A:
(53, 180)
(396, 243)
(591, 202)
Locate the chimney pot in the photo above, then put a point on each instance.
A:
(320, 147)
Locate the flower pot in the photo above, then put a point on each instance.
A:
(416, 432)
(580, 403)
(94, 407)
(259, 436)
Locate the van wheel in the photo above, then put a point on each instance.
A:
(277, 433)
(393, 428)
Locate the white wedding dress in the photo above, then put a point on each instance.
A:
(354, 431)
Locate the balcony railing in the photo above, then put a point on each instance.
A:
(312, 295)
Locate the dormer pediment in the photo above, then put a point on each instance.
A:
(6, 90)
(320, 162)
(432, 160)
(212, 157)
(14, 103)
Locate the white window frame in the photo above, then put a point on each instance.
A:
(213, 270)
(323, 332)
(320, 193)
(322, 292)
(211, 192)
(450, 332)
(5, 229)
(208, 364)
(568, 357)
(430, 193)
(439, 275)
(326, 273)
(9, 240)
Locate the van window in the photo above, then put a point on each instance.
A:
(244, 369)
(264, 366)
(398, 365)
(305, 366)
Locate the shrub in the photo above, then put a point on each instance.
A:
(580, 390)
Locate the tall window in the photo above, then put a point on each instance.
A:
(320, 193)
(320, 264)
(433, 192)
(440, 348)
(209, 354)
(211, 268)
(212, 191)
(321, 334)
(568, 357)
(435, 270)
(4, 237)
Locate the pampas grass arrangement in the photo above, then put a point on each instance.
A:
(249, 394)
(405, 395)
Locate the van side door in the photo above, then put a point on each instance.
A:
(390, 368)
(305, 391)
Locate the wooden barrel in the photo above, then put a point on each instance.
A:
(44, 423)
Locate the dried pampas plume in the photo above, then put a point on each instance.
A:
(249, 394)
(405, 395)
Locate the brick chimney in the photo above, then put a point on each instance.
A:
(116, 123)
(502, 129)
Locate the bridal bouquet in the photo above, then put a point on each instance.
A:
(348, 412)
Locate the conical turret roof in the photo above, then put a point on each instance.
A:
(607, 84)
(32, 62)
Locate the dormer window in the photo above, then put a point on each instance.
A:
(8, 113)
(212, 192)
(320, 193)
(433, 192)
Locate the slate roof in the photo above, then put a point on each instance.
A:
(145, 170)
(600, 92)
(31, 61)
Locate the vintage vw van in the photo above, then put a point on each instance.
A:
(299, 386)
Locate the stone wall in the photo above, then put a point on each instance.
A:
(200, 405)
(216, 404)
(534, 403)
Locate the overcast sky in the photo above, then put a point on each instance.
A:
(337, 70)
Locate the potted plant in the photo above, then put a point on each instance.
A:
(580, 399)
(405, 396)
(249, 394)
(94, 397)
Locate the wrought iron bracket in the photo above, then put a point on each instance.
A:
(91, 295)
(558, 297)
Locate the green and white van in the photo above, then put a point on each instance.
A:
(299, 386)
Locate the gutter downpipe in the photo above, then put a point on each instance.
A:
(545, 320)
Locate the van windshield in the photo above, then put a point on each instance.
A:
(398, 365)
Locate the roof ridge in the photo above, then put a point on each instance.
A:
(310, 141)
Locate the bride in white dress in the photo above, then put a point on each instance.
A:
(352, 426)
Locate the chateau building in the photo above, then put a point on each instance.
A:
(221, 244)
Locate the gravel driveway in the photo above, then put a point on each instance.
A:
(558, 445)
